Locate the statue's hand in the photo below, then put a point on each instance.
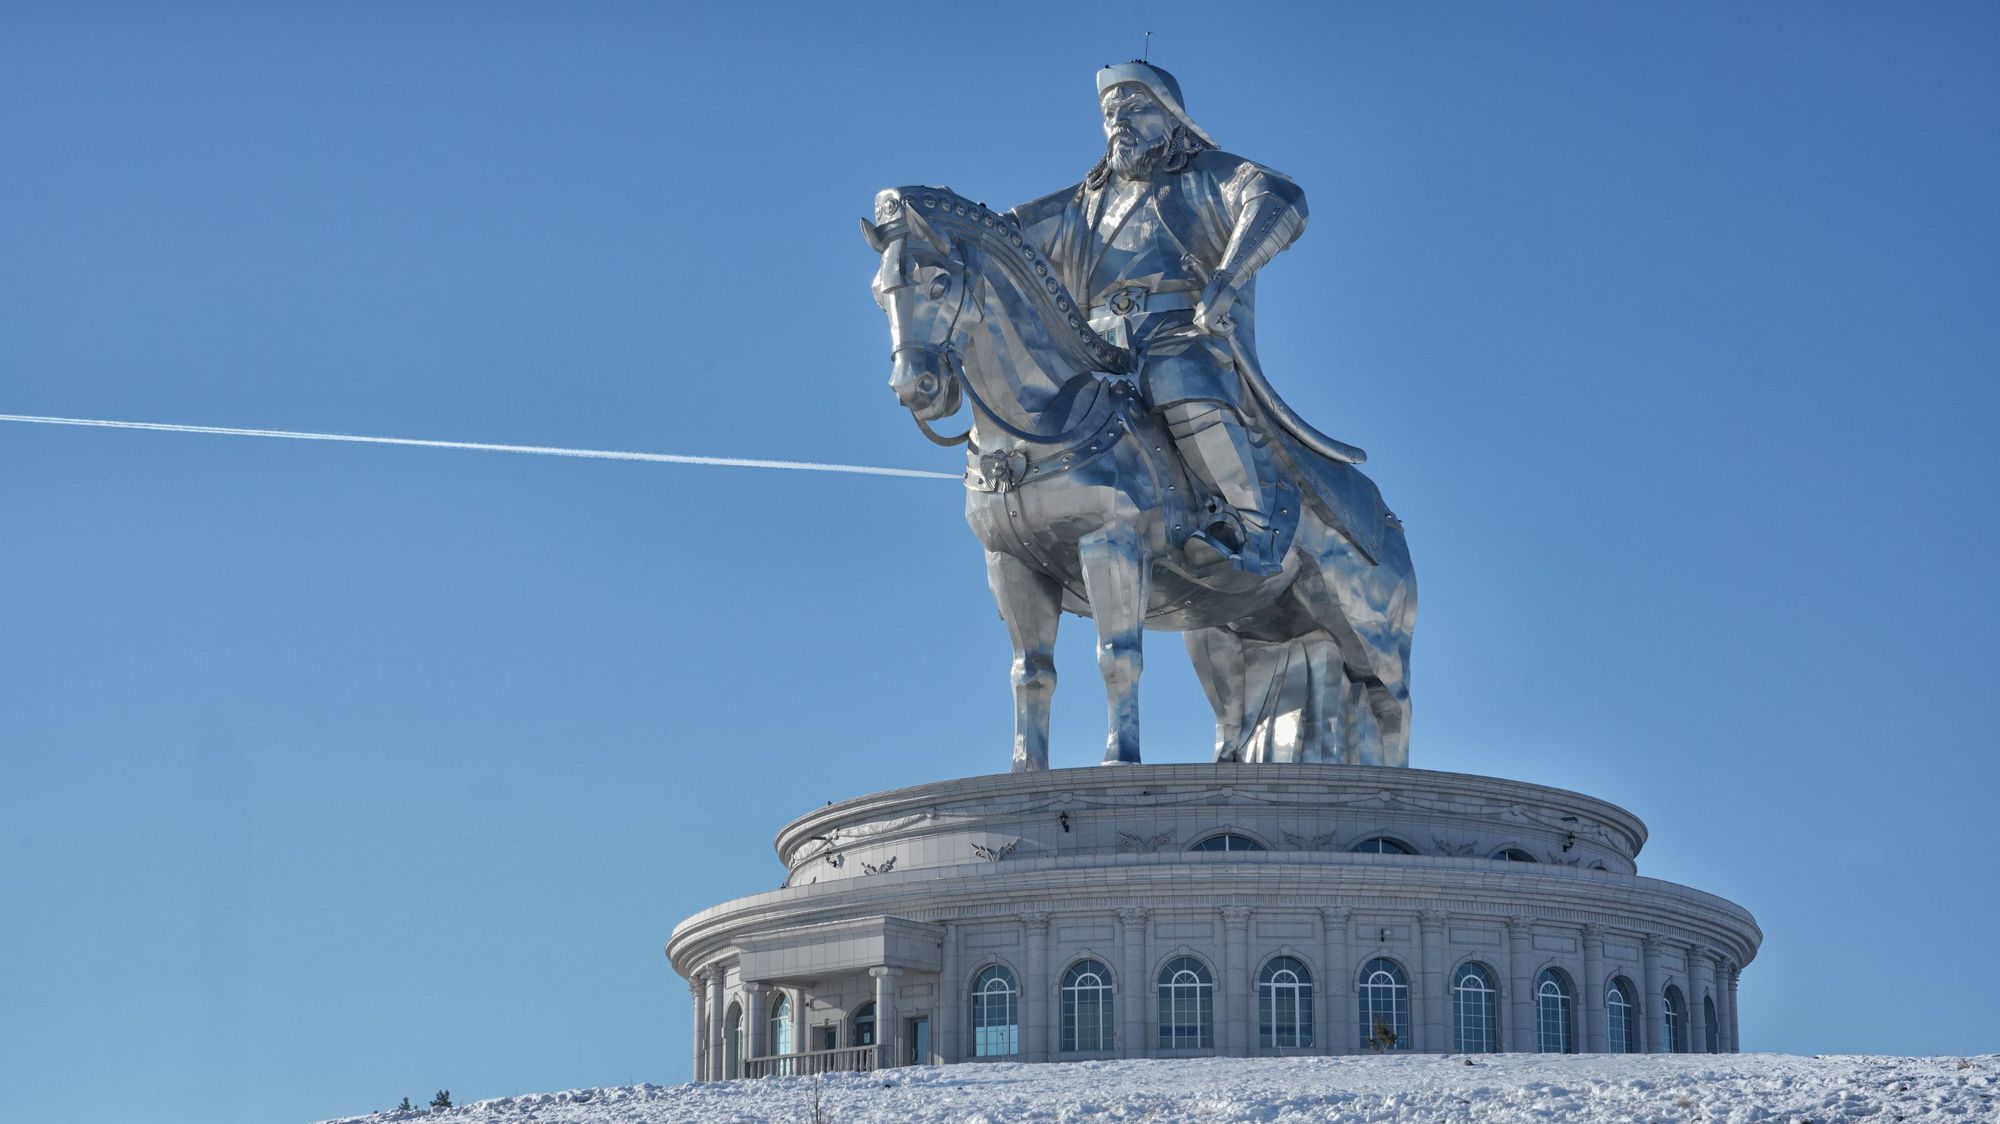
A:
(1212, 314)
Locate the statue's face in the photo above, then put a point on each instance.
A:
(1134, 123)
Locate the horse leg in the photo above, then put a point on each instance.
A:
(1360, 734)
(1031, 604)
(1289, 712)
(1275, 700)
(1393, 706)
(1115, 576)
(1385, 635)
(1324, 670)
(1218, 662)
(1365, 613)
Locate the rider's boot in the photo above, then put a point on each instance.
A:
(1212, 442)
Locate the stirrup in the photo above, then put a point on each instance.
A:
(1210, 547)
(1206, 552)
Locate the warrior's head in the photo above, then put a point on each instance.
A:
(1146, 127)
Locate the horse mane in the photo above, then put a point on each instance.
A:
(1000, 236)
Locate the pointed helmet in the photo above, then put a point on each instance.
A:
(1157, 82)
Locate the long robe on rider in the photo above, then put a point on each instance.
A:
(1163, 240)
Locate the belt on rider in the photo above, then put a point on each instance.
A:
(1113, 316)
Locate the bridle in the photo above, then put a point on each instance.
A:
(945, 354)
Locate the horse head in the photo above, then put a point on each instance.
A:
(925, 286)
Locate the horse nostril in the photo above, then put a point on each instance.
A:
(928, 384)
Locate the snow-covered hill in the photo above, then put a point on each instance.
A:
(1501, 1089)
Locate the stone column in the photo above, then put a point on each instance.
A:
(1520, 1029)
(953, 999)
(1149, 988)
(697, 993)
(1130, 992)
(1232, 1013)
(1035, 1005)
(801, 1033)
(756, 1022)
(718, 1017)
(1724, 1043)
(1337, 984)
(1436, 1033)
(1718, 968)
(1595, 1015)
(888, 1027)
(1701, 974)
(1653, 1008)
(1733, 973)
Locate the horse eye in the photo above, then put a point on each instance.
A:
(940, 287)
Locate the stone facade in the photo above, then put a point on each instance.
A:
(895, 905)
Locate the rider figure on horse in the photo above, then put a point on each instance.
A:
(1163, 240)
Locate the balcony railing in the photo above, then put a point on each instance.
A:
(847, 1059)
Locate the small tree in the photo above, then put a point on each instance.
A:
(406, 1106)
(1384, 1038)
(442, 1100)
(816, 1105)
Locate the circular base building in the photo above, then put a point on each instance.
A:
(1194, 910)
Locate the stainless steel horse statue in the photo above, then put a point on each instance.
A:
(1075, 491)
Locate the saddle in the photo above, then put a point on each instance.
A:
(1293, 476)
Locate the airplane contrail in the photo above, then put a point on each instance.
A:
(486, 447)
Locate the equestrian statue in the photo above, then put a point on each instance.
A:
(1126, 458)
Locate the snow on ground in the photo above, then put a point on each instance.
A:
(1496, 1088)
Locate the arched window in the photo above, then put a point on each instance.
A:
(732, 1043)
(780, 1041)
(996, 1013)
(1710, 1033)
(861, 1026)
(1624, 1020)
(1381, 845)
(1384, 1000)
(1514, 855)
(1187, 1005)
(1677, 1020)
(1475, 1022)
(1086, 1007)
(1284, 1005)
(1555, 1018)
(1228, 841)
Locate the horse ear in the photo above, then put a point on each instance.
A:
(876, 239)
(925, 230)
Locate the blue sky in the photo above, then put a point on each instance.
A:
(338, 774)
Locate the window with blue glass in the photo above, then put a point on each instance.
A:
(996, 1013)
(1555, 1013)
(1475, 1021)
(1228, 841)
(1624, 1018)
(1382, 994)
(1187, 1005)
(1677, 1020)
(1284, 1005)
(1086, 1007)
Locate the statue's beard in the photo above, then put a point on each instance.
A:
(1132, 162)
